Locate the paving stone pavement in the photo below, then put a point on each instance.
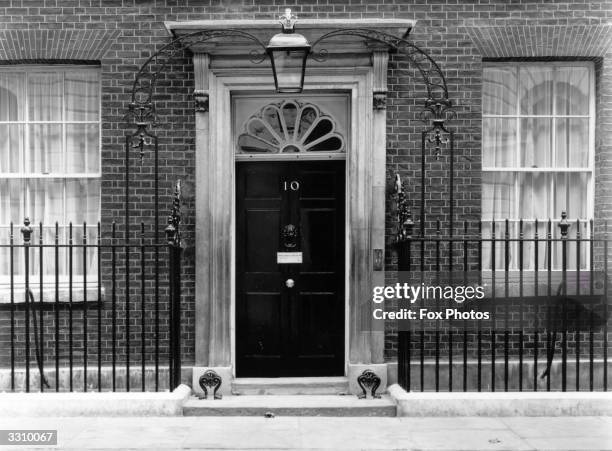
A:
(325, 433)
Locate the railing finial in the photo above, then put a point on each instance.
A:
(564, 224)
(26, 230)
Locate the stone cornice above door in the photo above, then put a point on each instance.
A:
(346, 50)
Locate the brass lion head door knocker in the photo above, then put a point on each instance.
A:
(289, 236)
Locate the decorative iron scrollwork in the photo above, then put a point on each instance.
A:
(142, 109)
(209, 380)
(405, 224)
(437, 138)
(430, 71)
(173, 233)
(368, 380)
(320, 56)
(440, 110)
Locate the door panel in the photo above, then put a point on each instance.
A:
(281, 330)
(260, 244)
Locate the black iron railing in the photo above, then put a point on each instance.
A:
(84, 312)
(547, 294)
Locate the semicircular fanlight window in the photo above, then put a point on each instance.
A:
(290, 127)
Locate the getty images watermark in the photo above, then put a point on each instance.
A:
(430, 300)
(437, 297)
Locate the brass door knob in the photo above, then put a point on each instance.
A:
(290, 283)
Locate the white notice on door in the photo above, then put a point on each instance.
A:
(284, 258)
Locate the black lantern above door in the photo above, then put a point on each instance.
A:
(288, 52)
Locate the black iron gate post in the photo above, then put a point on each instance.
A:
(173, 236)
(26, 232)
(403, 243)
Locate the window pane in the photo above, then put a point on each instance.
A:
(272, 117)
(536, 142)
(499, 142)
(45, 201)
(11, 202)
(487, 245)
(536, 88)
(4, 252)
(11, 96)
(49, 253)
(83, 201)
(499, 90)
(63, 97)
(498, 195)
(82, 96)
(82, 148)
(79, 252)
(12, 195)
(571, 194)
(10, 150)
(572, 247)
(572, 95)
(45, 153)
(572, 142)
(528, 246)
(534, 196)
(45, 96)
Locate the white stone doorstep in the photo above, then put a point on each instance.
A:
(107, 404)
(500, 404)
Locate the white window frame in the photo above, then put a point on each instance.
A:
(551, 170)
(49, 280)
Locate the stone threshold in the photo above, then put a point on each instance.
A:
(290, 386)
(292, 405)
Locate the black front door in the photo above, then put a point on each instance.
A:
(290, 269)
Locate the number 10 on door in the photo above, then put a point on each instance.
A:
(293, 185)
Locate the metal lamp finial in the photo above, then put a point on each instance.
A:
(288, 21)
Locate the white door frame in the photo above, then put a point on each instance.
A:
(215, 205)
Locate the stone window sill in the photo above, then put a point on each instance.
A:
(63, 295)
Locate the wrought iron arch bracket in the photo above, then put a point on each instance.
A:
(142, 110)
(437, 112)
(437, 106)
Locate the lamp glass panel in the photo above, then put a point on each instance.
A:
(288, 65)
